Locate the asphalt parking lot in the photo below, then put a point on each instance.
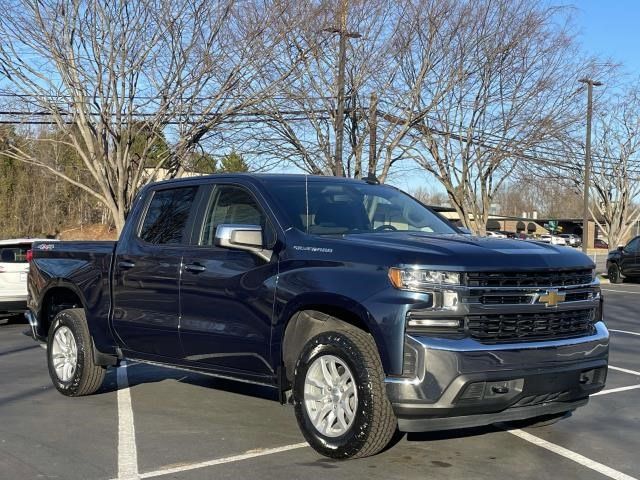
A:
(149, 422)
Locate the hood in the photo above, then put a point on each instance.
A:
(468, 253)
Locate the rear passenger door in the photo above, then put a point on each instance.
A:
(227, 295)
(147, 272)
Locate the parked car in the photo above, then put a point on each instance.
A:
(624, 262)
(571, 239)
(495, 234)
(349, 298)
(600, 244)
(13, 274)
(552, 239)
(506, 233)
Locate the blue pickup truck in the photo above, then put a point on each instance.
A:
(364, 308)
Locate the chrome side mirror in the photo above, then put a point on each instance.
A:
(242, 237)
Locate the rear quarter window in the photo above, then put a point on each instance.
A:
(13, 253)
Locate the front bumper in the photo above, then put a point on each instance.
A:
(463, 383)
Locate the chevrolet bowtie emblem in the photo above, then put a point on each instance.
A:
(552, 298)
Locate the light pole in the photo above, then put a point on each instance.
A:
(587, 162)
(338, 169)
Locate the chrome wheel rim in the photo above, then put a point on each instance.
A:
(64, 353)
(330, 396)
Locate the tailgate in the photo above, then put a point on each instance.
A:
(13, 270)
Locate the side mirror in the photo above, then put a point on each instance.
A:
(242, 237)
(620, 248)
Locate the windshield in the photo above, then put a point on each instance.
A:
(344, 207)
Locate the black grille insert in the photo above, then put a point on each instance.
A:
(530, 326)
(529, 279)
(519, 299)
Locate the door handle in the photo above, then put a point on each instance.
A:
(195, 268)
(126, 265)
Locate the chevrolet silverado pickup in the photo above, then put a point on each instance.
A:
(368, 311)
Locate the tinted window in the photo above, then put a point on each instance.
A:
(13, 253)
(632, 246)
(230, 205)
(341, 208)
(167, 216)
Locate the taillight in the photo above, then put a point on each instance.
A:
(29, 256)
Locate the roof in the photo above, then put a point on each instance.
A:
(265, 178)
(13, 241)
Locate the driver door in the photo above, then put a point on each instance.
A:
(629, 258)
(227, 295)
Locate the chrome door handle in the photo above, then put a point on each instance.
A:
(195, 268)
(126, 265)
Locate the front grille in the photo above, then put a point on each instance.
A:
(530, 326)
(528, 279)
(518, 299)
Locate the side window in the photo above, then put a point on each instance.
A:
(231, 205)
(167, 215)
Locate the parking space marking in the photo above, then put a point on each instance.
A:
(624, 370)
(620, 291)
(615, 390)
(576, 457)
(219, 461)
(624, 331)
(127, 450)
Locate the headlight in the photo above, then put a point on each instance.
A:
(420, 280)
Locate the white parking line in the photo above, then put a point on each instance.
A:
(625, 370)
(576, 457)
(127, 450)
(616, 390)
(624, 331)
(219, 461)
(620, 291)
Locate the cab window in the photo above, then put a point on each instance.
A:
(165, 222)
(231, 204)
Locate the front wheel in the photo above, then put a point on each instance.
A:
(70, 356)
(614, 274)
(339, 395)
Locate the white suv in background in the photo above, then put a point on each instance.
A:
(553, 239)
(14, 268)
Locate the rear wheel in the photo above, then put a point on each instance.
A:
(70, 357)
(614, 274)
(339, 395)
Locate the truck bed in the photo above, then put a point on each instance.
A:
(83, 266)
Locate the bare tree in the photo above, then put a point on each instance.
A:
(102, 71)
(387, 37)
(505, 88)
(616, 165)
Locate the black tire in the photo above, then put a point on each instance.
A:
(537, 422)
(374, 424)
(614, 274)
(88, 376)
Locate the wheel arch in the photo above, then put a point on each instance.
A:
(63, 296)
(305, 319)
(57, 297)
